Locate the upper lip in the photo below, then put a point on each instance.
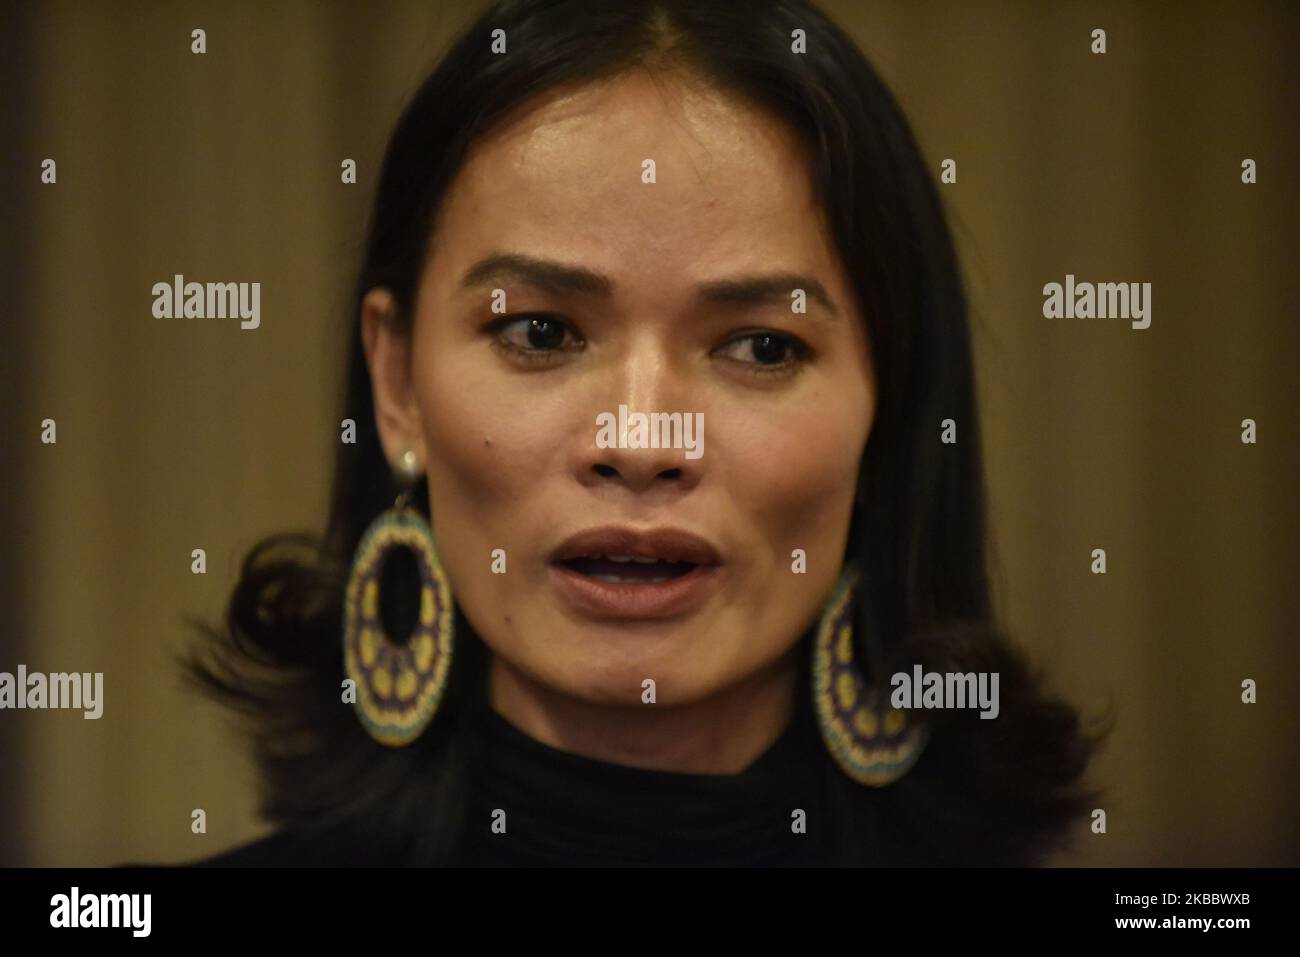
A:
(666, 544)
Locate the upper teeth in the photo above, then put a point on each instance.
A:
(629, 558)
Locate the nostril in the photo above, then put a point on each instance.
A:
(605, 470)
(671, 473)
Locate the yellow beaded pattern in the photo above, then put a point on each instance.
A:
(398, 686)
(873, 743)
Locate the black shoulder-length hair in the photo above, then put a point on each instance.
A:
(1001, 791)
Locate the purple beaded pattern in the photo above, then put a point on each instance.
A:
(398, 687)
(873, 742)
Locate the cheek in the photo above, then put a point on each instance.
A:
(493, 458)
(794, 469)
(486, 447)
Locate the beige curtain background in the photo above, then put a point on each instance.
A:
(225, 166)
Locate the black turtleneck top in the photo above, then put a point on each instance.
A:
(562, 808)
(791, 807)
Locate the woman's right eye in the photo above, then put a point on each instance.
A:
(536, 336)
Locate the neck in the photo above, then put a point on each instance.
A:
(721, 734)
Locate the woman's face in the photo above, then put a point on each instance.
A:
(666, 296)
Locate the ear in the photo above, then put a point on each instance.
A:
(388, 356)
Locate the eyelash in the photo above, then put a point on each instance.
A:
(797, 347)
(530, 355)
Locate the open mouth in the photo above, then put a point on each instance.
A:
(628, 570)
(620, 573)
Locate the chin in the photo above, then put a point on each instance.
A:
(671, 689)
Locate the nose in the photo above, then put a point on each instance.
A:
(640, 470)
(648, 437)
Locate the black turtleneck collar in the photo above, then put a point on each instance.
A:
(563, 809)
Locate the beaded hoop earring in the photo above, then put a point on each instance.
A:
(873, 743)
(398, 686)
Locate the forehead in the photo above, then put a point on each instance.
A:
(565, 177)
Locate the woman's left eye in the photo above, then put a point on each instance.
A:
(766, 352)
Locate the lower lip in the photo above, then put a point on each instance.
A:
(649, 600)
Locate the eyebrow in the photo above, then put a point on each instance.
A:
(560, 278)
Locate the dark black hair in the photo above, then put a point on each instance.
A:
(1003, 791)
